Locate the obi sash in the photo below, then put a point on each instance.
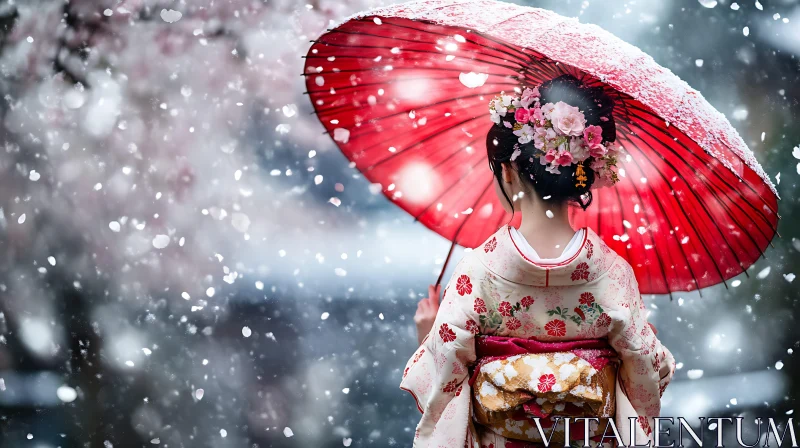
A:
(515, 380)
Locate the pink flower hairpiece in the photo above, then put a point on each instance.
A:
(559, 133)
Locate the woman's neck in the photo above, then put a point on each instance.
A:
(545, 226)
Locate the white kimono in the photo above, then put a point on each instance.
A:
(497, 290)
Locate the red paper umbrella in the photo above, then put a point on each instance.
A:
(404, 93)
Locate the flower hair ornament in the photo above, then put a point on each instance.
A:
(560, 135)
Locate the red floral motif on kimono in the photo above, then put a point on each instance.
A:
(418, 355)
(581, 272)
(526, 301)
(657, 363)
(645, 424)
(480, 306)
(637, 393)
(630, 333)
(641, 367)
(458, 391)
(513, 323)
(556, 327)
(472, 327)
(490, 245)
(464, 286)
(653, 409)
(589, 249)
(546, 382)
(505, 309)
(451, 386)
(587, 299)
(448, 414)
(446, 333)
(604, 320)
(580, 313)
(405, 372)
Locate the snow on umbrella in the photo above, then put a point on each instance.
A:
(404, 91)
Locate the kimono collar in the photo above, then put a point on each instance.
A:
(501, 256)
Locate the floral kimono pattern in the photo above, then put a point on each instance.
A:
(496, 291)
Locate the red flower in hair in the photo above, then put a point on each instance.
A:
(556, 327)
(480, 306)
(446, 333)
(464, 286)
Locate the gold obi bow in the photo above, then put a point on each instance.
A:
(510, 391)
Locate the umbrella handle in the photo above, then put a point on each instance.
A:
(446, 260)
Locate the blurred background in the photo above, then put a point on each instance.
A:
(187, 261)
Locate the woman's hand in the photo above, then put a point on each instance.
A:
(426, 312)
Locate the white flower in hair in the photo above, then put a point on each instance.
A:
(499, 108)
(567, 120)
(552, 169)
(529, 96)
(525, 134)
(578, 149)
(547, 110)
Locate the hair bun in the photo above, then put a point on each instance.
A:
(570, 182)
(596, 105)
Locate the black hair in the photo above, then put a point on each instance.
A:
(597, 108)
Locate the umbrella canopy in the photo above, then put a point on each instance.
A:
(404, 93)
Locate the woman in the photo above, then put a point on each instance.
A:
(542, 320)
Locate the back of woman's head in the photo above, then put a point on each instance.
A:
(567, 182)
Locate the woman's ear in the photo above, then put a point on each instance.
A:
(508, 174)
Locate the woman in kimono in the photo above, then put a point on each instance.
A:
(540, 321)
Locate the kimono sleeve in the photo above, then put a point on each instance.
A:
(647, 366)
(437, 374)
